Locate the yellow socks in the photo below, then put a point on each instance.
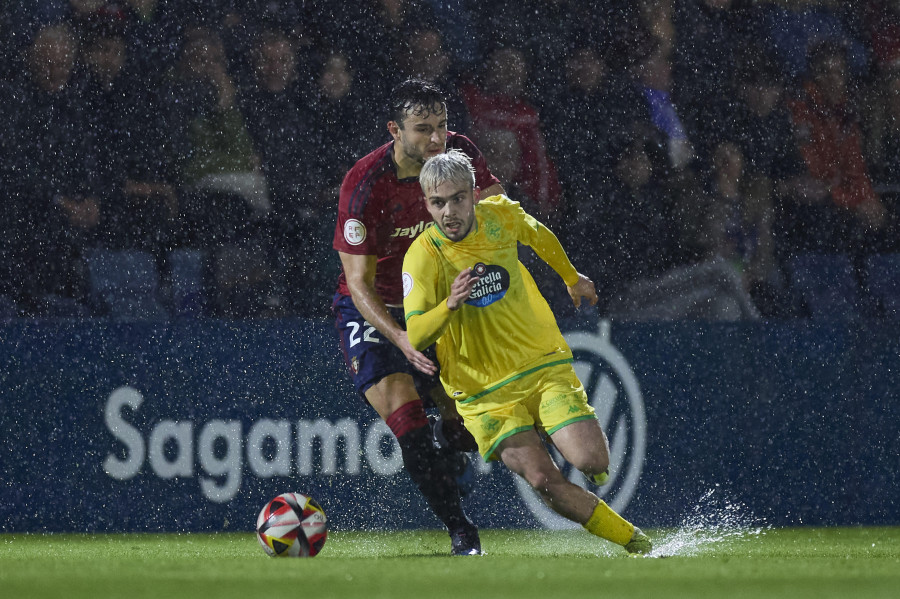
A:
(607, 524)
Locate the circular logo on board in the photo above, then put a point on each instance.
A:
(615, 395)
(354, 232)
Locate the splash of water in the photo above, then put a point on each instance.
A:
(714, 519)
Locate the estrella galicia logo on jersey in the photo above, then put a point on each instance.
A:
(492, 285)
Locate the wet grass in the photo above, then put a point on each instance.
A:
(792, 562)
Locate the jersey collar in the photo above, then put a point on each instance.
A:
(394, 167)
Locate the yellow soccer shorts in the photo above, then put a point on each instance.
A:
(546, 400)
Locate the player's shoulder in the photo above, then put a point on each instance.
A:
(427, 243)
(459, 141)
(483, 176)
(373, 165)
(497, 203)
(362, 182)
(498, 209)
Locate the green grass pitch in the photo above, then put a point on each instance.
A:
(790, 562)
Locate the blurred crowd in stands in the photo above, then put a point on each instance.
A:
(694, 156)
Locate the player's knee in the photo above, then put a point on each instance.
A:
(591, 464)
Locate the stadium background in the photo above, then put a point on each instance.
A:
(790, 413)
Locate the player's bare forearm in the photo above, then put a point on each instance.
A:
(374, 310)
(583, 289)
(360, 274)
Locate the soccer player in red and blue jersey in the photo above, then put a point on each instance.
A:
(380, 213)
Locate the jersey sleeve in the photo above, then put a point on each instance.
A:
(483, 176)
(354, 232)
(542, 240)
(427, 315)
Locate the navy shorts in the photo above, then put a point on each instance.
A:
(369, 356)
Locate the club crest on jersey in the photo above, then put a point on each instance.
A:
(354, 232)
(492, 285)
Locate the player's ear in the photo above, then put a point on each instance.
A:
(394, 129)
(477, 194)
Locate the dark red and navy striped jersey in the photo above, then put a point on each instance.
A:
(380, 215)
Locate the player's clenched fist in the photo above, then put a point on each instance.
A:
(584, 288)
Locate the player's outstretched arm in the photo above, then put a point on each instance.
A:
(360, 273)
(547, 246)
(584, 288)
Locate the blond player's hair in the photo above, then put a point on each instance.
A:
(452, 165)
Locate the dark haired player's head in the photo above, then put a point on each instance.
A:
(416, 97)
(418, 124)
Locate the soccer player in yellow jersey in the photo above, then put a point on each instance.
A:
(503, 358)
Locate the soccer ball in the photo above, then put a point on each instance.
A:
(292, 525)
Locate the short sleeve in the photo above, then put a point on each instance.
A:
(483, 176)
(354, 232)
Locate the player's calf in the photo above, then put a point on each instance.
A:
(451, 433)
(607, 524)
(430, 470)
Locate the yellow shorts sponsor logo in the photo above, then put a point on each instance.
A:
(556, 400)
(489, 424)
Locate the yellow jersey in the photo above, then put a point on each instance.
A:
(505, 328)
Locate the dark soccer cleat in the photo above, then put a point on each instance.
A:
(465, 541)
